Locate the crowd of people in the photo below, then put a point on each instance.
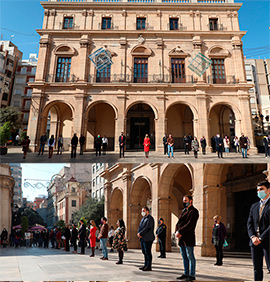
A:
(258, 226)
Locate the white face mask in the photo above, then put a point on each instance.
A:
(143, 213)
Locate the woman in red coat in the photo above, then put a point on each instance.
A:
(92, 237)
(146, 145)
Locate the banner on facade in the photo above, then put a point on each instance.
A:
(199, 64)
(101, 59)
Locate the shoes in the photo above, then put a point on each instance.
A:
(159, 256)
(190, 278)
(105, 259)
(163, 257)
(111, 251)
(147, 269)
(142, 268)
(102, 258)
(119, 262)
(91, 256)
(182, 277)
(74, 252)
(81, 253)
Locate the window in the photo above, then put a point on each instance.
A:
(178, 70)
(33, 71)
(94, 182)
(218, 71)
(248, 67)
(104, 75)
(18, 92)
(20, 80)
(97, 180)
(174, 24)
(29, 92)
(1, 78)
(23, 70)
(213, 24)
(31, 79)
(5, 96)
(106, 23)
(27, 105)
(25, 117)
(68, 23)
(63, 69)
(140, 70)
(73, 203)
(8, 73)
(249, 78)
(140, 23)
(94, 169)
(16, 104)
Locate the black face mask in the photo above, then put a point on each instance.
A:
(186, 204)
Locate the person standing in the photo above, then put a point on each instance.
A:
(119, 240)
(74, 237)
(243, 145)
(146, 236)
(51, 143)
(219, 146)
(17, 139)
(258, 226)
(165, 144)
(186, 144)
(122, 143)
(170, 142)
(218, 238)
(185, 232)
(52, 238)
(25, 146)
(161, 236)
(46, 238)
(103, 237)
(266, 144)
(42, 140)
(226, 143)
(4, 237)
(82, 234)
(67, 236)
(203, 144)
(236, 144)
(195, 146)
(92, 237)
(98, 142)
(82, 141)
(110, 236)
(104, 144)
(74, 143)
(60, 143)
(146, 145)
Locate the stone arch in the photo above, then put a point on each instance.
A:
(116, 206)
(64, 49)
(141, 50)
(218, 51)
(100, 119)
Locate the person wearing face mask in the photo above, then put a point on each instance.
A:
(146, 235)
(122, 143)
(258, 226)
(161, 235)
(218, 237)
(219, 145)
(185, 232)
(119, 240)
(244, 145)
(103, 236)
(98, 142)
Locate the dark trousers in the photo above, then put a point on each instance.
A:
(120, 255)
(162, 244)
(81, 149)
(67, 246)
(104, 147)
(186, 149)
(196, 154)
(267, 151)
(73, 151)
(203, 150)
(46, 243)
(219, 253)
(50, 152)
(219, 150)
(98, 150)
(257, 253)
(41, 148)
(74, 243)
(82, 242)
(122, 149)
(146, 247)
(52, 242)
(165, 149)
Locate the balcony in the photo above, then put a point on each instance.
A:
(152, 79)
(216, 27)
(112, 27)
(180, 27)
(222, 79)
(51, 78)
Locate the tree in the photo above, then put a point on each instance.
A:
(5, 133)
(33, 217)
(92, 209)
(61, 225)
(24, 224)
(10, 114)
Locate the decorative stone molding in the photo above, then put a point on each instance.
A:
(44, 42)
(177, 51)
(46, 12)
(141, 50)
(159, 13)
(64, 49)
(123, 42)
(53, 12)
(85, 13)
(124, 13)
(91, 13)
(141, 39)
(218, 52)
(159, 43)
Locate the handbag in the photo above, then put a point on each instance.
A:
(225, 244)
(125, 245)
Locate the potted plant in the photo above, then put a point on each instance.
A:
(4, 136)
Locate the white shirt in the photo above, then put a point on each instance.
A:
(104, 140)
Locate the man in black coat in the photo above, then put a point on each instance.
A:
(186, 142)
(219, 145)
(98, 143)
(74, 237)
(82, 234)
(67, 236)
(161, 235)
(258, 226)
(185, 232)
(42, 140)
(122, 143)
(165, 144)
(82, 141)
(74, 143)
(266, 143)
(146, 235)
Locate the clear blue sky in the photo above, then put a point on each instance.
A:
(34, 173)
(23, 17)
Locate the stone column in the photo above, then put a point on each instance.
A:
(107, 195)
(53, 128)
(120, 122)
(160, 124)
(211, 198)
(78, 113)
(164, 211)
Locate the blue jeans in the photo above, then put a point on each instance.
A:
(41, 148)
(146, 247)
(189, 260)
(170, 149)
(244, 152)
(103, 244)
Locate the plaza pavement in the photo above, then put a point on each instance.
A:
(14, 155)
(39, 264)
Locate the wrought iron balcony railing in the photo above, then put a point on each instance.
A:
(180, 27)
(53, 78)
(221, 79)
(216, 27)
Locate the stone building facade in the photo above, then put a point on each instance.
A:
(225, 189)
(6, 197)
(149, 87)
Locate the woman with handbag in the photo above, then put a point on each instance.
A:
(218, 238)
(119, 241)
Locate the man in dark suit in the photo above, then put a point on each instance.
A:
(122, 143)
(219, 145)
(146, 235)
(266, 143)
(82, 234)
(185, 232)
(258, 226)
(161, 235)
(98, 143)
